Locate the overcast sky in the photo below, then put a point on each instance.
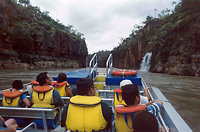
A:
(103, 22)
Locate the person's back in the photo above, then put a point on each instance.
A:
(125, 113)
(86, 112)
(15, 97)
(44, 96)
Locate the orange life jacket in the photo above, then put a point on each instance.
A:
(60, 87)
(11, 98)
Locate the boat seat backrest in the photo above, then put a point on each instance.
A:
(44, 116)
(26, 112)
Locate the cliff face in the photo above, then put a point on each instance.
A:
(178, 50)
(173, 40)
(31, 39)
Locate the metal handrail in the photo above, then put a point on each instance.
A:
(109, 65)
(27, 127)
(93, 67)
(159, 115)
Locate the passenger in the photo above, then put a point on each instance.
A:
(146, 122)
(15, 96)
(62, 86)
(44, 96)
(86, 112)
(143, 99)
(125, 113)
(11, 125)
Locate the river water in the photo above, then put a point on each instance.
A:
(183, 92)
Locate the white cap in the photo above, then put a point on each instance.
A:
(125, 82)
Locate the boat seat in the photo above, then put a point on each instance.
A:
(40, 116)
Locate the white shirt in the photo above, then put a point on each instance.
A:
(143, 100)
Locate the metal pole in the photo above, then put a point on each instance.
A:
(159, 115)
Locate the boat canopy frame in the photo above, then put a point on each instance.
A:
(93, 67)
(109, 64)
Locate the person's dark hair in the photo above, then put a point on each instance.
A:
(62, 77)
(84, 85)
(145, 122)
(41, 78)
(129, 93)
(17, 84)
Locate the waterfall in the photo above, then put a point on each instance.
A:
(145, 65)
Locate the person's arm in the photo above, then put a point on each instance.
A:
(155, 107)
(68, 91)
(2, 119)
(57, 99)
(64, 116)
(107, 114)
(25, 100)
(146, 93)
(11, 128)
(160, 102)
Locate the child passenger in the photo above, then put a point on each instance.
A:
(15, 96)
(62, 85)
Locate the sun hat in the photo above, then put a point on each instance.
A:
(125, 82)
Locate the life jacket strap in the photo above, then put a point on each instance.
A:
(117, 95)
(126, 119)
(11, 100)
(39, 96)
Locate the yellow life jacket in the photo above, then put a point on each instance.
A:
(60, 87)
(85, 114)
(11, 98)
(124, 117)
(118, 97)
(34, 84)
(42, 97)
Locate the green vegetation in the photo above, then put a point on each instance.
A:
(31, 22)
(170, 34)
(34, 36)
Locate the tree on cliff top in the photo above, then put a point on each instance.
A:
(25, 2)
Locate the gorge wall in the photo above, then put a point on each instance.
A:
(173, 40)
(30, 38)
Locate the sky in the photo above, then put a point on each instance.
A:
(103, 22)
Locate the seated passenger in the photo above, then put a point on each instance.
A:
(11, 125)
(143, 99)
(125, 113)
(15, 96)
(118, 94)
(45, 96)
(146, 122)
(62, 86)
(86, 112)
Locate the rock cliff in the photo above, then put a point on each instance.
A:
(30, 38)
(173, 40)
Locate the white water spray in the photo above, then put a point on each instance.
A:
(145, 65)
